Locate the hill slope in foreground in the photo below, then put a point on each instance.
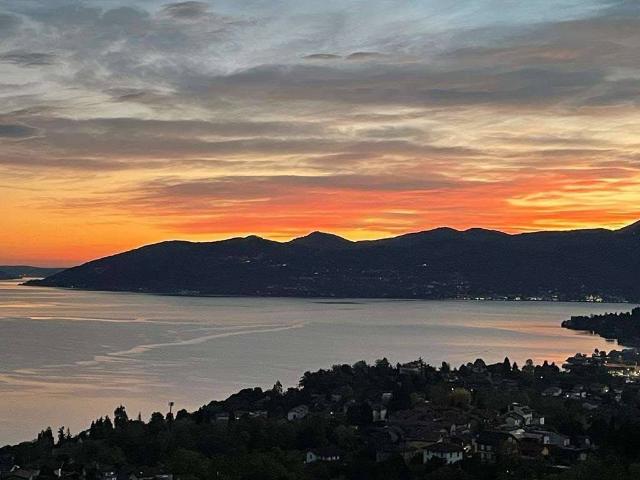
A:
(441, 263)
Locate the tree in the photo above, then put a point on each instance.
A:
(460, 397)
(360, 414)
(120, 417)
(189, 463)
(182, 414)
(108, 426)
(528, 368)
(61, 436)
(277, 388)
(45, 438)
(156, 423)
(383, 364)
(479, 364)
(506, 365)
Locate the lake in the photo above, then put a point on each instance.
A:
(69, 356)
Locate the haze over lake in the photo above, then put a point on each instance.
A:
(68, 357)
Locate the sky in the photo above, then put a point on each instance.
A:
(124, 123)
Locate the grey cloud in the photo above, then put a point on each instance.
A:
(410, 85)
(28, 59)
(8, 24)
(248, 187)
(71, 164)
(170, 138)
(622, 92)
(390, 132)
(322, 56)
(537, 67)
(141, 129)
(364, 55)
(186, 10)
(158, 64)
(549, 140)
(17, 131)
(172, 195)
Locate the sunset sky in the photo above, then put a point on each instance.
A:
(129, 122)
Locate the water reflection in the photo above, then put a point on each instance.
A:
(70, 356)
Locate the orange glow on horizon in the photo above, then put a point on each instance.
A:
(73, 235)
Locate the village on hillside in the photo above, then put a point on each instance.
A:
(372, 421)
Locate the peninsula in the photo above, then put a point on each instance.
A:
(623, 327)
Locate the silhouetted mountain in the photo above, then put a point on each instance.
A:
(440, 263)
(322, 240)
(633, 229)
(21, 271)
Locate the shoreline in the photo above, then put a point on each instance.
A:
(339, 298)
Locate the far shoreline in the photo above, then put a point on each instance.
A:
(336, 298)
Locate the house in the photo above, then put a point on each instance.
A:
(523, 411)
(551, 438)
(491, 444)
(512, 419)
(298, 413)
(379, 412)
(421, 435)
(326, 454)
(529, 417)
(447, 452)
(532, 448)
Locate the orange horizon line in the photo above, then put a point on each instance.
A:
(286, 239)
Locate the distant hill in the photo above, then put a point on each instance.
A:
(6, 276)
(595, 264)
(10, 272)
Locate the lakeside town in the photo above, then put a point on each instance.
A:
(404, 421)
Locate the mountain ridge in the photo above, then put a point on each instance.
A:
(438, 263)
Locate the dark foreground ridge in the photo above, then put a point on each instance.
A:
(443, 263)
(386, 422)
(623, 327)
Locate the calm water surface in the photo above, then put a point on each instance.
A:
(67, 357)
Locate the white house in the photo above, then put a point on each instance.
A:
(379, 413)
(327, 454)
(448, 452)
